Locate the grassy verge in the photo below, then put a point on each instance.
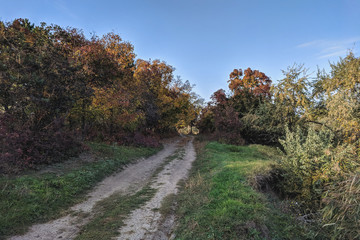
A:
(217, 202)
(32, 198)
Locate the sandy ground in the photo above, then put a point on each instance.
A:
(130, 180)
(144, 223)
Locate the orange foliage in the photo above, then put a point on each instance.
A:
(253, 81)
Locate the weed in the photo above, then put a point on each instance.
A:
(167, 205)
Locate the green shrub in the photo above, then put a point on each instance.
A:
(265, 125)
(313, 159)
(324, 176)
(306, 158)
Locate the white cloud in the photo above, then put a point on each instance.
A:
(331, 48)
(309, 44)
(334, 54)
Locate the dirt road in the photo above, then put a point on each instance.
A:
(143, 223)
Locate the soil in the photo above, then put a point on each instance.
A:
(143, 223)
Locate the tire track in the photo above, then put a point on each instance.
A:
(143, 223)
(130, 180)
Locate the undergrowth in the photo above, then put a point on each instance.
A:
(322, 175)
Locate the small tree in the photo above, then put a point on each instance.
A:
(341, 97)
(291, 94)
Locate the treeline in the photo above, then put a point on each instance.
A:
(315, 122)
(57, 88)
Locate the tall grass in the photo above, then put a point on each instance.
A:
(341, 211)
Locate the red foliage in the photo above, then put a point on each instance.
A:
(226, 124)
(219, 97)
(143, 140)
(24, 148)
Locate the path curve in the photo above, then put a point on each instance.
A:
(131, 179)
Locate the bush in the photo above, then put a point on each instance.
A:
(122, 137)
(145, 140)
(264, 125)
(206, 123)
(312, 160)
(228, 126)
(25, 148)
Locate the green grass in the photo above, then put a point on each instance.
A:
(112, 213)
(35, 198)
(217, 202)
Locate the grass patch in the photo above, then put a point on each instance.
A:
(35, 198)
(167, 205)
(112, 213)
(178, 154)
(217, 202)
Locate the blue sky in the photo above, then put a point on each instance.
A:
(206, 39)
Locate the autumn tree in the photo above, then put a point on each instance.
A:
(206, 121)
(249, 88)
(253, 81)
(114, 105)
(37, 81)
(339, 94)
(53, 81)
(38, 89)
(226, 120)
(227, 114)
(154, 78)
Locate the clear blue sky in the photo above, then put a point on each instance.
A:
(206, 39)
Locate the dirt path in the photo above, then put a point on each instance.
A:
(130, 180)
(144, 222)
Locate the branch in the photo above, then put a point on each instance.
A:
(309, 121)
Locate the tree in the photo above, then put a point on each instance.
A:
(226, 120)
(253, 81)
(340, 91)
(38, 89)
(225, 114)
(154, 78)
(249, 89)
(53, 80)
(114, 104)
(37, 80)
(291, 94)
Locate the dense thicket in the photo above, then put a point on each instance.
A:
(316, 124)
(232, 117)
(57, 87)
